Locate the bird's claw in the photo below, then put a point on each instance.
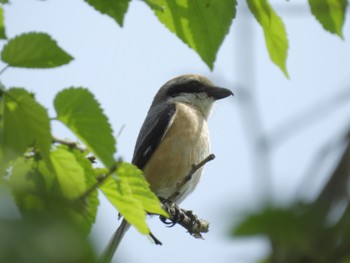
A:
(175, 212)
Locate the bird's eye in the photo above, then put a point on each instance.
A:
(193, 84)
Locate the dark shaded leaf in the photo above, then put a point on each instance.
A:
(330, 13)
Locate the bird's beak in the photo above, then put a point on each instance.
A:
(218, 93)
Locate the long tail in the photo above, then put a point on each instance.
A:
(114, 242)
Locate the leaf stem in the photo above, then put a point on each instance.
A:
(99, 181)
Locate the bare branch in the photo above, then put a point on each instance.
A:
(188, 177)
(177, 215)
(69, 144)
(185, 218)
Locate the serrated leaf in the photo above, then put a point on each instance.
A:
(70, 174)
(37, 189)
(274, 31)
(129, 192)
(201, 24)
(2, 25)
(79, 111)
(34, 50)
(330, 13)
(24, 123)
(91, 202)
(116, 9)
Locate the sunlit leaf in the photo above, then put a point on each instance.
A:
(70, 174)
(113, 8)
(79, 111)
(274, 31)
(34, 50)
(91, 202)
(2, 25)
(24, 123)
(129, 192)
(201, 24)
(330, 13)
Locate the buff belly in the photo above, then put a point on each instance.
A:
(185, 143)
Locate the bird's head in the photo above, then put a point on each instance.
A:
(194, 90)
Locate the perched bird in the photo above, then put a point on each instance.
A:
(173, 137)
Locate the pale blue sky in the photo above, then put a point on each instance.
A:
(124, 67)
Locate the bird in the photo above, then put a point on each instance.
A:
(173, 137)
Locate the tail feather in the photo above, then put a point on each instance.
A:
(114, 242)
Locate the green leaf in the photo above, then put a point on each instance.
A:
(24, 123)
(4, 1)
(2, 25)
(44, 238)
(25, 185)
(37, 189)
(70, 174)
(19, 179)
(79, 111)
(34, 50)
(91, 202)
(201, 24)
(330, 13)
(274, 31)
(116, 9)
(129, 192)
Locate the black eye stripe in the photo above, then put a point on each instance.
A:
(192, 86)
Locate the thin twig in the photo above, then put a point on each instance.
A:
(188, 177)
(70, 144)
(120, 132)
(4, 69)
